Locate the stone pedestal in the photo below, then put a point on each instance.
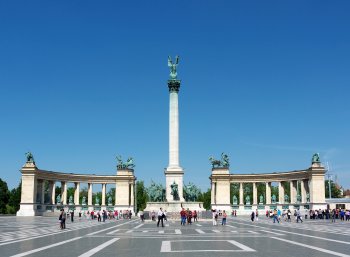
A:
(28, 205)
(124, 190)
(171, 176)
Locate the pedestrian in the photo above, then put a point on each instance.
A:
(195, 216)
(63, 217)
(333, 215)
(160, 217)
(153, 215)
(215, 217)
(252, 216)
(130, 214)
(289, 214)
(142, 216)
(299, 216)
(235, 213)
(224, 216)
(256, 215)
(80, 214)
(104, 215)
(72, 215)
(99, 216)
(189, 217)
(164, 215)
(275, 217)
(183, 217)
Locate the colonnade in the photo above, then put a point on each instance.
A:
(308, 184)
(33, 201)
(267, 195)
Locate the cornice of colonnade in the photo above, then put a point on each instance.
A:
(124, 175)
(266, 177)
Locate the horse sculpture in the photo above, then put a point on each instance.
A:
(223, 163)
(129, 164)
(215, 162)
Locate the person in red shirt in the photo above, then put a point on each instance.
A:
(183, 216)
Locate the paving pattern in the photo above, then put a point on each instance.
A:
(41, 236)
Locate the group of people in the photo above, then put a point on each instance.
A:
(101, 216)
(216, 214)
(334, 214)
(187, 216)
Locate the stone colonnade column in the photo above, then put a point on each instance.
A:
(76, 193)
(303, 189)
(255, 194)
(293, 191)
(268, 193)
(52, 192)
(89, 193)
(280, 192)
(64, 192)
(213, 196)
(103, 194)
(131, 197)
(241, 193)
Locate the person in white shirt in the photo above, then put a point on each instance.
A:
(160, 217)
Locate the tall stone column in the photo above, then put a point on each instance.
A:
(268, 193)
(303, 191)
(213, 193)
(280, 193)
(64, 192)
(76, 193)
(89, 193)
(103, 194)
(41, 191)
(241, 194)
(255, 194)
(131, 194)
(174, 172)
(293, 191)
(52, 192)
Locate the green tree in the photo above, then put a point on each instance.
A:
(141, 195)
(14, 199)
(206, 199)
(335, 189)
(4, 196)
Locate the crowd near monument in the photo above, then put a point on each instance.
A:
(306, 186)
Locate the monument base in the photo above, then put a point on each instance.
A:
(28, 210)
(174, 206)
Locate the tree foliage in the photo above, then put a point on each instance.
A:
(141, 196)
(335, 189)
(4, 196)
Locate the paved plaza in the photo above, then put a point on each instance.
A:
(41, 236)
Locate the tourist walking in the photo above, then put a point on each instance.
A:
(72, 215)
(62, 219)
(160, 217)
(299, 216)
(256, 215)
(289, 214)
(183, 217)
(215, 217)
(334, 213)
(195, 216)
(164, 215)
(275, 217)
(252, 216)
(142, 216)
(224, 216)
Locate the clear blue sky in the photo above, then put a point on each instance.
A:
(266, 82)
